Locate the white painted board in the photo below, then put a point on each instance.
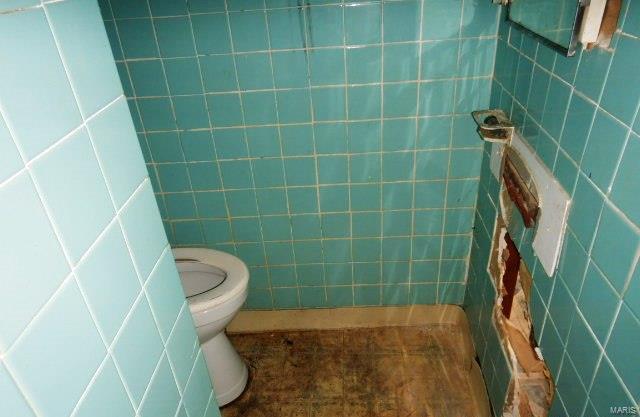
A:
(554, 203)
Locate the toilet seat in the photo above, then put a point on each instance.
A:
(199, 277)
(232, 286)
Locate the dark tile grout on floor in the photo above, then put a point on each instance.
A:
(373, 372)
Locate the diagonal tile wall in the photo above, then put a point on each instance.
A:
(94, 321)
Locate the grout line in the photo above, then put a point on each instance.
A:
(346, 154)
(152, 378)
(307, 41)
(109, 347)
(304, 48)
(52, 147)
(382, 122)
(415, 159)
(316, 122)
(439, 295)
(345, 86)
(312, 87)
(184, 309)
(243, 114)
(21, 389)
(173, 112)
(284, 173)
(135, 102)
(167, 249)
(212, 138)
(210, 403)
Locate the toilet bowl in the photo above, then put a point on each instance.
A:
(215, 284)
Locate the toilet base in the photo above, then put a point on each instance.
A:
(227, 370)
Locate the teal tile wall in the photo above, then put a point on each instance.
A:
(94, 321)
(328, 144)
(581, 116)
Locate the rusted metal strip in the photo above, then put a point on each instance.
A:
(519, 193)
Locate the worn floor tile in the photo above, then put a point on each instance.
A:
(376, 372)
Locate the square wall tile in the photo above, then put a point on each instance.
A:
(129, 9)
(334, 198)
(623, 187)
(75, 192)
(259, 108)
(36, 124)
(363, 24)
(624, 338)
(24, 223)
(364, 64)
(604, 146)
(137, 350)
(165, 293)
(290, 69)
(400, 62)
(106, 388)
(254, 71)
(114, 139)
(598, 302)
(587, 206)
(614, 248)
(108, 278)
(400, 100)
(294, 106)
(622, 89)
(579, 117)
(249, 31)
(162, 398)
(156, 113)
(364, 102)
(218, 73)
(367, 295)
(11, 160)
(85, 49)
(182, 347)
(211, 33)
(191, 112)
(328, 103)
(611, 391)
(324, 24)
(286, 28)
(167, 8)
(72, 357)
(141, 220)
(147, 78)
(225, 110)
(327, 66)
(441, 19)
(401, 21)
(137, 38)
(440, 59)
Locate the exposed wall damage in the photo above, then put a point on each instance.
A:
(531, 387)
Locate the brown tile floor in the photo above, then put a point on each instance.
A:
(386, 372)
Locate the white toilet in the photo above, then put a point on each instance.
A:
(215, 284)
